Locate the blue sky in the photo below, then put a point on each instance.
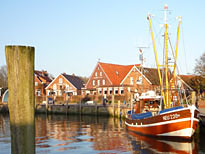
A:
(71, 35)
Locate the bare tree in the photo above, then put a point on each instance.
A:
(200, 66)
(3, 76)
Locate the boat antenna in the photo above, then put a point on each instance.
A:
(141, 58)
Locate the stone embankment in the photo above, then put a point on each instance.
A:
(117, 110)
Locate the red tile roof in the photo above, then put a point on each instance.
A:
(116, 73)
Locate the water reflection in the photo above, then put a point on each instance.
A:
(87, 134)
(144, 143)
(74, 132)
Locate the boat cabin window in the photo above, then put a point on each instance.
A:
(158, 102)
(151, 102)
(146, 103)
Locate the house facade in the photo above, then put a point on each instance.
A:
(65, 84)
(41, 81)
(109, 79)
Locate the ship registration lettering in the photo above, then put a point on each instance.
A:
(171, 116)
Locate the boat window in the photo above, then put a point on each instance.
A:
(158, 102)
(151, 102)
(146, 103)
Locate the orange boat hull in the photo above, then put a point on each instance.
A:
(180, 123)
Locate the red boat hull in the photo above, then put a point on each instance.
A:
(179, 123)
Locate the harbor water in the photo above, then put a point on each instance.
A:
(94, 135)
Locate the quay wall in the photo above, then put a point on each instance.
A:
(116, 110)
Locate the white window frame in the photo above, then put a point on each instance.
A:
(110, 91)
(48, 92)
(98, 82)
(54, 86)
(99, 91)
(60, 80)
(116, 89)
(38, 92)
(139, 81)
(67, 86)
(93, 82)
(103, 81)
(131, 81)
(122, 89)
(59, 93)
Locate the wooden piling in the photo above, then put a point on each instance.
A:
(118, 109)
(21, 101)
(193, 96)
(113, 104)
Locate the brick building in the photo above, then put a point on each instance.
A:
(65, 84)
(41, 80)
(109, 79)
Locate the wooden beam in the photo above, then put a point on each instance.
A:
(21, 101)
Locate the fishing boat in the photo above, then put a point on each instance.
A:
(164, 115)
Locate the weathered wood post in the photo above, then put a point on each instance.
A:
(21, 101)
(46, 105)
(80, 108)
(131, 102)
(118, 109)
(113, 103)
(96, 108)
(193, 97)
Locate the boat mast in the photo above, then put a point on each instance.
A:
(175, 59)
(166, 58)
(166, 90)
(156, 59)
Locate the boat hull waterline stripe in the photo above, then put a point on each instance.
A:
(161, 123)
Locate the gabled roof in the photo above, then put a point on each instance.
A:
(186, 78)
(74, 80)
(116, 73)
(152, 75)
(42, 75)
(137, 68)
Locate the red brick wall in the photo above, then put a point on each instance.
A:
(39, 86)
(135, 74)
(58, 85)
(96, 78)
